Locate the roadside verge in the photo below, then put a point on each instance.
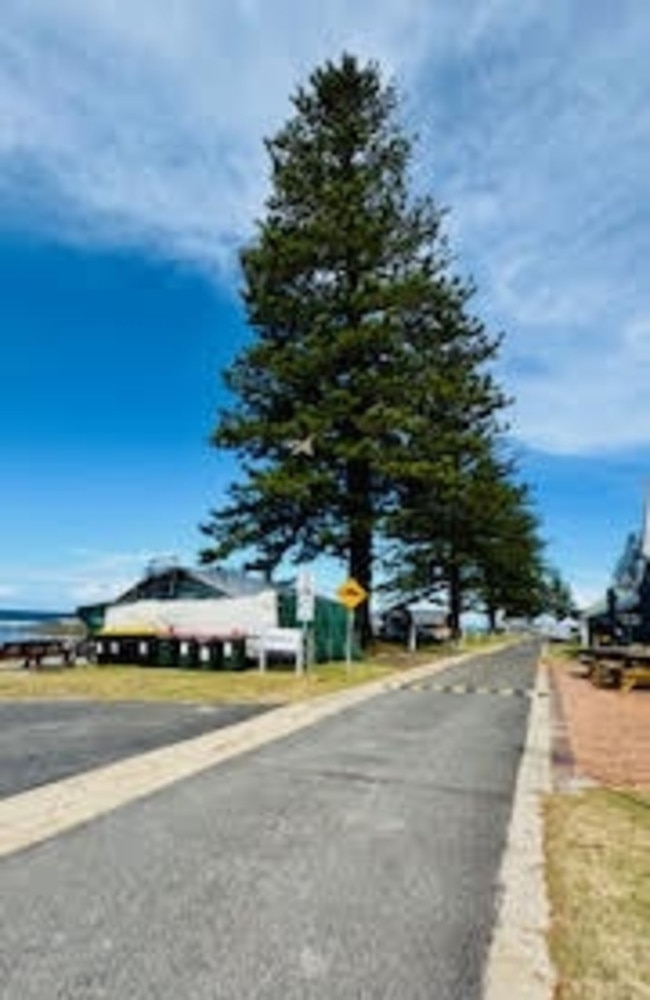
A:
(597, 834)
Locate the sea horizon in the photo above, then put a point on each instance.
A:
(27, 614)
(23, 623)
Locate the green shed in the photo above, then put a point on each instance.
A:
(329, 628)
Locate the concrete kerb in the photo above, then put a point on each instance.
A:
(38, 814)
(519, 964)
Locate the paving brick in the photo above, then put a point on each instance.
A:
(606, 731)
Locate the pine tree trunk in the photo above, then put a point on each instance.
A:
(455, 599)
(360, 569)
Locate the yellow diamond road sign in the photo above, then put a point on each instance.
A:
(351, 593)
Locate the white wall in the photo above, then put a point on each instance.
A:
(224, 617)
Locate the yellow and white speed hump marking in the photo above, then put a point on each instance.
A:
(502, 692)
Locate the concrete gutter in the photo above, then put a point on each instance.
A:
(519, 965)
(36, 815)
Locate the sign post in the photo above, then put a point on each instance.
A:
(305, 606)
(351, 594)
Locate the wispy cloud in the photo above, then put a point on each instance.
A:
(591, 396)
(86, 577)
(121, 124)
(543, 168)
(135, 125)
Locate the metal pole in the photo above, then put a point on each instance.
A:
(305, 645)
(349, 637)
(301, 653)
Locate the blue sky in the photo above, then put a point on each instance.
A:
(132, 167)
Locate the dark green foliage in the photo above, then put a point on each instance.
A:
(364, 354)
(471, 534)
(509, 551)
(327, 280)
(555, 594)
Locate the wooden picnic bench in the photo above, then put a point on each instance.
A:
(32, 652)
(623, 667)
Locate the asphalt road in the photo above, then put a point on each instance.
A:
(355, 860)
(45, 741)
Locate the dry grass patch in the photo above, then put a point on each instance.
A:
(124, 683)
(137, 683)
(598, 851)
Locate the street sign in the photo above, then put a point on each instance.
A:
(305, 595)
(351, 594)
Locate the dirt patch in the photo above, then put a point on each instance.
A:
(600, 736)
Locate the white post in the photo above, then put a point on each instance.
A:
(304, 641)
(300, 656)
(305, 609)
(413, 635)
(348, 638)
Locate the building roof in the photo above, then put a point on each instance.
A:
(630, 575)
(624, 600)
(173, 582)
(232, 583)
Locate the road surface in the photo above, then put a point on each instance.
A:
(44, 741)
(355, 860)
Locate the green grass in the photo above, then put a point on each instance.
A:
(598, 851)
(135, 683)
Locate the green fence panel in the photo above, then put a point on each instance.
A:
(329, 628)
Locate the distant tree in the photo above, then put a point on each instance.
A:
(448, 470)
(509, 552)
(556, 597)
(474, 538)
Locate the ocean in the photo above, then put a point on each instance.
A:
(21, 624)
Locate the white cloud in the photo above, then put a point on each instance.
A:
(81, 577)
(544, 173)
(636, 341)
(149, 127)
(588, 588)
(142, 124)
(592, 394)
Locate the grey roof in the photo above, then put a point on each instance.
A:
(224, 582)
(422, 612)
(232, 583)
(625, 601)
(630, 572)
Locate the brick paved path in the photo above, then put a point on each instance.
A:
(600, 734)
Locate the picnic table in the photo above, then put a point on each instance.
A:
(33, 652)
(623, 667)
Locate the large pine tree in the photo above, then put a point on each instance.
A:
(365, 366)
